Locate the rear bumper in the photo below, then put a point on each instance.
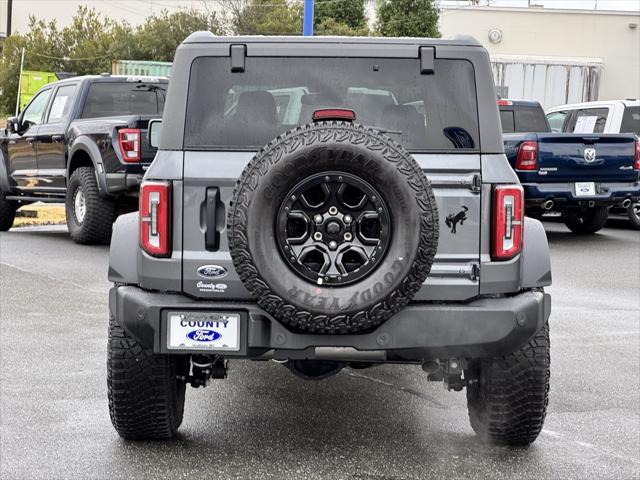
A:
(485, 327)
(563, 194)
(115, 183)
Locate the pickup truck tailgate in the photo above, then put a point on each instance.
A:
(575, 158)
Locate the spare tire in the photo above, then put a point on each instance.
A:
(333, 228)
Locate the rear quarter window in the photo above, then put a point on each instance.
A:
(630, 120)
(108, 99)
(245, 110)
(588, 120)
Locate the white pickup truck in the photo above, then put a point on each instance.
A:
(609, 116)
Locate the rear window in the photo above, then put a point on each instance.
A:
(245, 110)
(108, 99)
(588, 120)
(507, 120)
(630, 120)
(523, 119)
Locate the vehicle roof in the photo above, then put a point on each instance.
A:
(600, 103)
(208, 37)
(520, 103)
(109, 78)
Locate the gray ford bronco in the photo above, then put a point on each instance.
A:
(330, 203)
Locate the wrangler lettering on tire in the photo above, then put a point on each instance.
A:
(333, 228)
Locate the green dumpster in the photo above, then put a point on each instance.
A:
(30, 83)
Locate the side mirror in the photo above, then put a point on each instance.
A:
(153, 132)
(13, 125)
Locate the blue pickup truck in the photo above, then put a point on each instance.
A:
(578, 175)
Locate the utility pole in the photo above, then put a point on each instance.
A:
(307, 19)
(9, 13)
(20, 82)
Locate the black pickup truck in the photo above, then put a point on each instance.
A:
(82, 141)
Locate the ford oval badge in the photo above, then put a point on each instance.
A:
(202, 335)
(212, 271)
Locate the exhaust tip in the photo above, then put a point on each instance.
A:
(548, 205)
(626, 202)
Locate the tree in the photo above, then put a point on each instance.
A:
(160, 35)
(408, 18)
(9, 72)
(345, 17)
(90, 43)
(330, 26)
(265, 17)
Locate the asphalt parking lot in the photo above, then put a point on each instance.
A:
(385, 423)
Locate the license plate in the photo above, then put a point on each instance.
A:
(203, 331)
(585, 189)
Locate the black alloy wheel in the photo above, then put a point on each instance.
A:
(333, 228)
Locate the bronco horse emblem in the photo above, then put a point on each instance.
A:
(452, 219)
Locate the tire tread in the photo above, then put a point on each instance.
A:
(588, 221)
(100, 214)
(7, 213)
(508, 404)
(146, 401)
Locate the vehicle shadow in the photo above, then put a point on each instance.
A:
(56, 233)
(559, 237)
(355, 426)
(620, 223)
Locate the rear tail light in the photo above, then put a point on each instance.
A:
(334, 114)
(527, 156)
(155, 218)
(636, 160)
(508, 216)
(503, 103)
(129, 143)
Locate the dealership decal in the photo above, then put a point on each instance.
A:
(211, 287)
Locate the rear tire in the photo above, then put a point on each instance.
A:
(146, 398)
(89, 217)
(587, 220)
(633, 211)
(7, 213)
(508, 404)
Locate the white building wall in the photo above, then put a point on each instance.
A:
(558, 37)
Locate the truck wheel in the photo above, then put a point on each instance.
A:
(508, 403)
(633, 211)
(587, 220)
(89, 217)
(146, 395)
(7, 213)
(333, 228)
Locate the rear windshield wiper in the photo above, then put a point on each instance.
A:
(150, 88)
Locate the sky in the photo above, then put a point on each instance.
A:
(633, 5)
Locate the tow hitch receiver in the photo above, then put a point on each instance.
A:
(450, 371)
(204, 368)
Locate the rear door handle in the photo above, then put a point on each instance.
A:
(212, 236)
(56, 138)
(30, 140)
